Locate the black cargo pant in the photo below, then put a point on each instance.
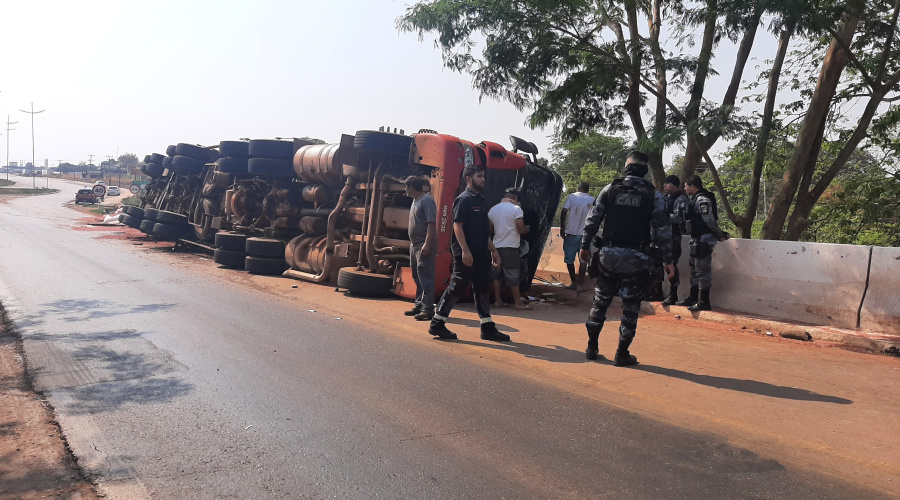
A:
(631, 288)
(479, 275)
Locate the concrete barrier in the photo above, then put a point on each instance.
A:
(881, 307)
(816, 283)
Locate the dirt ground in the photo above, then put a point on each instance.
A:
(34, 459)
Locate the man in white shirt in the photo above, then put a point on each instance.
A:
(507, 224)
(571, 226)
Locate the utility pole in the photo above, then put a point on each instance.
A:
(8, 123)
(32, 113)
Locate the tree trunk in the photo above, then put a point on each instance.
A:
(746, 222)
(694, 151)
(809, 138)
(659, 118)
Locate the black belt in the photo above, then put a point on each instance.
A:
(624, 244)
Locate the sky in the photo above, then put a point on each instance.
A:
(115, 77)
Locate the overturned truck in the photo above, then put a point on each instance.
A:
(337, 212)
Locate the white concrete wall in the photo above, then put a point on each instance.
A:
(810, 282)
(816, 283)
(881, 307)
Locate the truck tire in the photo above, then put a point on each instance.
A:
(229, 258)
(187, 164)
(234, 149)
(147, 159)
(264, 247)
(364, 283)
(150, 214)
(271, 148)
(204, 231)
(153, 169)
(268, 266)
(156, 158)
(170, 150)
(231, 241)
(130, 221)
(192, 151)
(146, 226)
(230, 165)
(133, 211)
(271, 166)
(167, 232)
(382, 142)
(171, 218)
(167, 162)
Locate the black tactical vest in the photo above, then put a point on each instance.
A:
(698, 225)
(629, 208)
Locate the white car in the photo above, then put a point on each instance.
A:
(113, 191)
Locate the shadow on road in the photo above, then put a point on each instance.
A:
(555, 354)
(111, 396)
(743, 385)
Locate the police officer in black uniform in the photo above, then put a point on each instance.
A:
(630, 207)
(703, 226)
(677, 207)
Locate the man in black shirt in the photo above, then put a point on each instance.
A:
(473, 254)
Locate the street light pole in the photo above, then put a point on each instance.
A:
(8, 123)
(32, 113)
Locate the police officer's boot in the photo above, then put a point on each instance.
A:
(691, 299)
(593, 348)
(702, 304)
(656, 293)
(672, 298)
(623, 357)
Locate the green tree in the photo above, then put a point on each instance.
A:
(128, 159)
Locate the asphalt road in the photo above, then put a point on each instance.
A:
(173, 383)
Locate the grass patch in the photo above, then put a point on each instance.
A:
(27, 191)
(6, 182)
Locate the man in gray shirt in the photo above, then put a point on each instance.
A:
(423, 247)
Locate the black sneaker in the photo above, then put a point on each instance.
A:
(439, 329)
(489, 331)
(424, 316)
(412, 312)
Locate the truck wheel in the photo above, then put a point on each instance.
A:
(204, 231)
(265, 247)
(167, 162)
(167, 232)
(156, 158)
(130, 221)
(229, 258)
(268, 148)
(271, 166)
(170, 151)
(150, 214)
(382, 142)
(146, 226)
(231, 241)
(237, 166)
(187, 164)
(171, 218)
(133, 211)
(234, 149)
(268, 266)
(153, 169)
(192, 151)
(365, 283)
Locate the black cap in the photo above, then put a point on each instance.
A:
(674, 180)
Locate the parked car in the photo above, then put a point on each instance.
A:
(113, 191)
(86, 196)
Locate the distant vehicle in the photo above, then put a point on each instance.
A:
(86, 196)
(113, 191)
(101, 182)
